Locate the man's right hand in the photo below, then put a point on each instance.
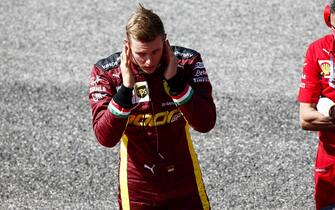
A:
(312, 119)
(126, 67)
(332, 112)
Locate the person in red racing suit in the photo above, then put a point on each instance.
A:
(149, 95)
(317, 86)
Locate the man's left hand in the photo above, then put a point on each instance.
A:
(171, 69)
(332, 112)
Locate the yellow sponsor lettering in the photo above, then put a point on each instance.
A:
(160, 118)
(162, 115)
(131, 119)
(142, 119)
(171, 114)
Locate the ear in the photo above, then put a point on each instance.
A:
(126, 42)
(164, 37)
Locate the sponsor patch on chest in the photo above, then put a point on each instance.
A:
(325, 68)
(141, 92)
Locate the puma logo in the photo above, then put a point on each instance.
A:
(150, 168)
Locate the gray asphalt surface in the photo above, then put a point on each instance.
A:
(256, 157)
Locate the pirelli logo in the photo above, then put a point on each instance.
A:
(160, 118)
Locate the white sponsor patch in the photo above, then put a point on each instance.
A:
(169, 103)
(200, 79)
(200, 73)
(303, 76)
(175, 117)
(98, 96)
(97, 89)
(321, 170)
(199, 65)
(184, 55)
(141, 92)
(112, 64)
(95, 80)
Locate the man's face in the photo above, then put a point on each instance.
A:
(332, 20)
(147, 54)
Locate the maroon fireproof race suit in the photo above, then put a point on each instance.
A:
(315, 84)
(158, 166)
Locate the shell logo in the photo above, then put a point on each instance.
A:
(325, 67)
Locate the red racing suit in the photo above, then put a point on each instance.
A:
(315, 84)
(157, 165)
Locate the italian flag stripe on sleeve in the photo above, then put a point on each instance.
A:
(184, 96)
(118, 110)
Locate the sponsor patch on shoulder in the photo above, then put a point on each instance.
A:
(200, 79)
(98, 96)
(185, 53)
(199, 65)
(95, 80)
(110, 62)
(200, 74)
(97, 91)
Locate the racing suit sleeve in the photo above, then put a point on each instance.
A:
(110, 108)
(310, 86)
(309, 95)
(191, 91)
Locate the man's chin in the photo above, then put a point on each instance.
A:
(149, 70)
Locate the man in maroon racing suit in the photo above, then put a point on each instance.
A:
(148, 96)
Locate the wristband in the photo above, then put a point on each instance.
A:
(124, 96)
(176, 84)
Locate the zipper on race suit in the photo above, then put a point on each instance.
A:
(331, 80)
(153, 114)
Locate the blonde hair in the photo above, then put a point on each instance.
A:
(144, 25)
